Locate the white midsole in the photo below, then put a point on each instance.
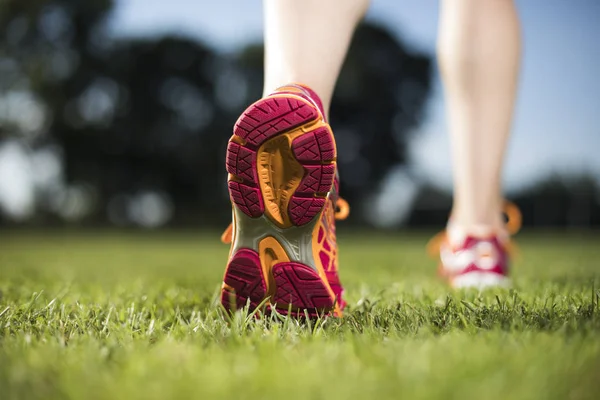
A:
(480, 280)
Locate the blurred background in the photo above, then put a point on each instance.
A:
(117, 113)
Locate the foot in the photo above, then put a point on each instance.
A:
(476, 260)
(283, 187)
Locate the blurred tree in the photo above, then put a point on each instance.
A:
(569, 201)
(145, 122)
(153, 118)
(42, 44)
(131, 117)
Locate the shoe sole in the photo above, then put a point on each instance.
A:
(480, 280)
(281, 162)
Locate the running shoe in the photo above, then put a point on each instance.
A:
(283, 188)
(477, 261)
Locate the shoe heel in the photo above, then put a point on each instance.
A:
(294, 286)
(300, 288)
(243, 281)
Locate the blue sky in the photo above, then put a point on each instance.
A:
(557, 122)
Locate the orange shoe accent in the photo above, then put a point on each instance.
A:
(325, 245)
(324, 253)
(342, 209)
(279, 175)
(270, 252)
(514, 218)
(227, 236)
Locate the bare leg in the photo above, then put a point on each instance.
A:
(479, 52)
(306, 42)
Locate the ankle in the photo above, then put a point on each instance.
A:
(458, 232)
(478, 220)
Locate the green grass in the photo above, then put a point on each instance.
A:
(105, 316)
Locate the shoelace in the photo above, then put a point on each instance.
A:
(342, 210)
(513, 225)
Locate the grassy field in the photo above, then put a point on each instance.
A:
(105, 316)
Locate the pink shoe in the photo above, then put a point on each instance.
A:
(476, 261)
(283, 187)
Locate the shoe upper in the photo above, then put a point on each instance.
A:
(325, 251)
(474, 254)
